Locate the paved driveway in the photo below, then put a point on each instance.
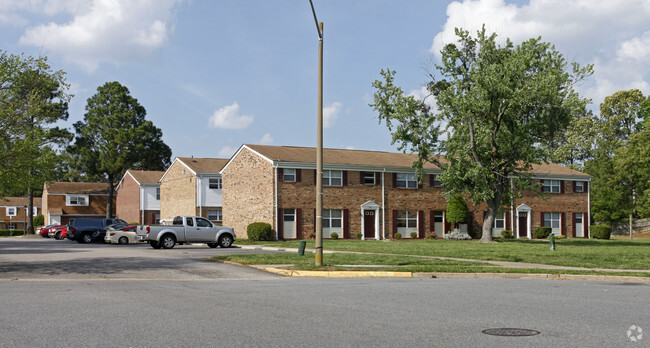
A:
(45, 259)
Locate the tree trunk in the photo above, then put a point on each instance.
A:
(493, 208)
(29, 224)
(109, 203)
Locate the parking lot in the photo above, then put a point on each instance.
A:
(48, 259)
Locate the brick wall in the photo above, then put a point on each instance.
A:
(177, 192)
(248, 192)
(128, 200)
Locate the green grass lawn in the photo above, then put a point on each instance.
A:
(589, 253)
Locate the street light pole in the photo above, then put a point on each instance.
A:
(318, 261)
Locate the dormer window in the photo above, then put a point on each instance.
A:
(11, 211)
(76, 200)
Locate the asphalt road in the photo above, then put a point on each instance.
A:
(199, 303)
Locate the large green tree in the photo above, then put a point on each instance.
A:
(33, 98)
(499, 105)
(115, 136)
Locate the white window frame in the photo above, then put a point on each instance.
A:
(12, 211)
(437, 181)
(369, 178)
(289, 175)
(580, 186)
(554, 222)
(216, 183)
(11, 226)
(157, 193)
(72, 200)
(331, 218)
(499, 219)
(215, 213)
(332, 178)
(407, 222)
(552, 186)
(407, 180)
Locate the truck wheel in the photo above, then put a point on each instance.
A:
(212, 245)
(154, 244)
(225, 241)
(87, 238)
(167, 241)
(123, 240)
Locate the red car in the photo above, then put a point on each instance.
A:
(58, 232)
(43, 231)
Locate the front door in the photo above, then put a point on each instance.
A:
(523, 224)
(369, 224)
(580, 231)
(289, 224)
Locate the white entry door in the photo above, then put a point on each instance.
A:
(289, 223)
(580, 230)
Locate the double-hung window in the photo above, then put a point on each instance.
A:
(332, 178)
(437, 180)
(407, 222)
(406, 180)
(289, 175)
(580, 186)
(499, 224)
(11, 211)
(369, 178)
(157, 193)
(214, 183)
(214, 215)
(77, 200)
(552, 220)
(552, 186)
(332, 222)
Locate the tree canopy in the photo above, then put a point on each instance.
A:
(498, 106)
(115, 136)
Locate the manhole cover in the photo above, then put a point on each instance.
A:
(510, 332)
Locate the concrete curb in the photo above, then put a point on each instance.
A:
(339, 274)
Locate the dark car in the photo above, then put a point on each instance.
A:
(86, 230)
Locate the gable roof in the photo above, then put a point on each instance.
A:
(203, 165)
(76, 187)
(146, 176)
(19, 201)
(285, 156)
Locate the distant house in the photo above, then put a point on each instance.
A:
(14, 214)
(376, 195)
(192, 186)
(138, 196)
(63, 201)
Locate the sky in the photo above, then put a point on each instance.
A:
(214, 75)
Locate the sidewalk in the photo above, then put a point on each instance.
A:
(278, 269)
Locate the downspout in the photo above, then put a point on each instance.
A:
(199, 187)
(141, 205)
(512, 209)
(275, 204)
(588, 209)
(383, 204)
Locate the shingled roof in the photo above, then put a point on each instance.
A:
(204, 165)
(19, 201)
(146, 176)
(77, 187)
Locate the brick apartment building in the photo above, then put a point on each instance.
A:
(192, 186)
(377, 195)
(63, 201)
(14, 214)
(138, 196)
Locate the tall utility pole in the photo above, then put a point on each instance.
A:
(318, 261)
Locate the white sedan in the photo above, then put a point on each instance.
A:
(120, 234)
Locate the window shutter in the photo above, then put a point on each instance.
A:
(542, 187)
(469, 223)
(394, 222)
(314, 221)
(574, 186)
(394, 180)
(280, 174)
(299, 223)
(361, 177)
(541, 221)
(432, 226)
(563, 224)
(573, 224)
(585, 186)
(280, 224)
(431, 180)
(561, 186)
(377, 178)
(298, 175)
(585, 224)
(345, 178)
(419, 183)
(420, 223)
(315, 175)
(507, 222)
(346, 223)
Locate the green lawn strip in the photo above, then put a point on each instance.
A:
(589, 253)
(335, 262)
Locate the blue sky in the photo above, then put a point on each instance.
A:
(217, 74)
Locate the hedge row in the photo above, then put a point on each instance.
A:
(9, 233)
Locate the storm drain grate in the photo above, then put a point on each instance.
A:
(510, 332)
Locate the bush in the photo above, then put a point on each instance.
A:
(334, 235)
(358, 235)
(39, 220)
(507, 234)
(432, 235)
(458, 235)
(601, 231)
(10, 233)
(457, 210)
(398, 235)
(414, 235)
(542, 232)
(311, 235)
(259, 231)
(558, 237)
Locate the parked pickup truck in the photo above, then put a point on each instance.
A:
(186, 229)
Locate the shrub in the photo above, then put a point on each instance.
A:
(334, 235)
(601, 231)
(259, 231)
(9, 233)
(39, 220)
(458, 235)
(432, 235)
(457, 211)
(358, 235)
(414, 235)
(398, 235)
(542, 232)
(311, 235)
(558, 237)
(507, 234)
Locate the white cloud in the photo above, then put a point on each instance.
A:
(99, 31)
(227, 152)
(267, 139)
(331, 114)
(612, 35)
(228, 117)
